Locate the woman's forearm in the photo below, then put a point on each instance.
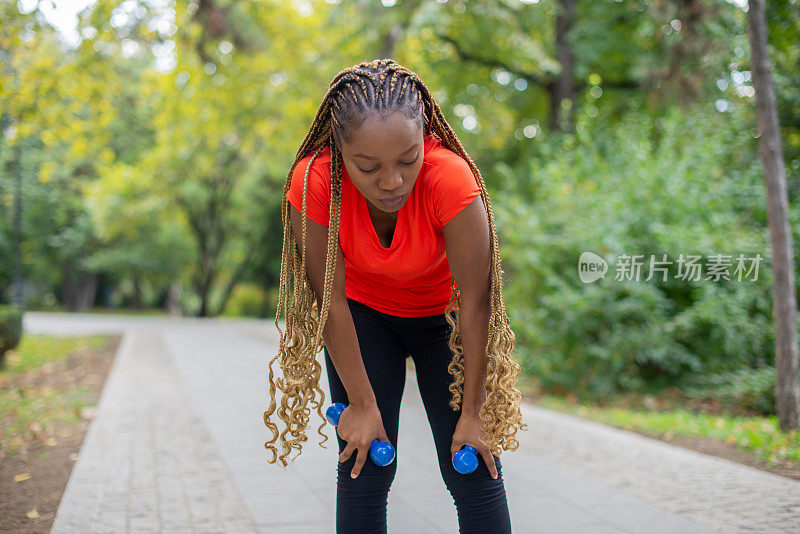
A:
(474, 328)
(342, 344)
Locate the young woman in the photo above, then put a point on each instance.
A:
(395, 255)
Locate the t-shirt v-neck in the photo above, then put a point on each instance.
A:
(411, 277)
(399, 224)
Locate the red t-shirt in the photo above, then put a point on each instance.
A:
(411, 278)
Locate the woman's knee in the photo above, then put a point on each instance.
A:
(471, 485)
(372, 480)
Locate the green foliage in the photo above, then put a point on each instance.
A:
(10, 330)
(164, 167)
(783, 33)
(247, 300)
(685, 184)
(748, 388)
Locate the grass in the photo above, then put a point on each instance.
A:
(26, 411)
(108, 311)
(33, 412)
(759, 435)
(37, 350)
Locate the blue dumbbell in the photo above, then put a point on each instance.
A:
(466, 460)
(381, 452)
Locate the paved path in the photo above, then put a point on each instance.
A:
(177, 446)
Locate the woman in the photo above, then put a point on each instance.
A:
(393, 233)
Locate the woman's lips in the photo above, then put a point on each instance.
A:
(394, 203)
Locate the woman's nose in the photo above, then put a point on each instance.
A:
(391, 183)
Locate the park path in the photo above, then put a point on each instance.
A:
(177, 446)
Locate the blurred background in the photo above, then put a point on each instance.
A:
(145, 146)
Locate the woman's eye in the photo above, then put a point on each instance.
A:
(376, 168)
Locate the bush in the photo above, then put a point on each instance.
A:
(748, 388)
(247, 300)
(10, 330)
(688, 183)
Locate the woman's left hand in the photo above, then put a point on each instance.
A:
(469, 430)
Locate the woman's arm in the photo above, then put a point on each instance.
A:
(469, 255)
(361, 422)
(339, 333)
(468, 250)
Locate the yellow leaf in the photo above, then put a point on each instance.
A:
(107, 155)
(80, 147)
(46, 171)
(51, 442)
(32, 514)
(21, 477)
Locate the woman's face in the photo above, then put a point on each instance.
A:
(383, 158)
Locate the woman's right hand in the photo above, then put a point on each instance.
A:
(358, 426)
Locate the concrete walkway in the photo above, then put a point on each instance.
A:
(177, 445)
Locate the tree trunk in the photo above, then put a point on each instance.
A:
(173, 296)
(79, 288)
(390, 40)
(203, 311)
(562, 92)
(136, 298)
(784, 307)
(19, 299)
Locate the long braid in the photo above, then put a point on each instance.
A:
(379, 85)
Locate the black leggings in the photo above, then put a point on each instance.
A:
(385, 342)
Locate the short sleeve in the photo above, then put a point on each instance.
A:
(452, 188)
(318, 194)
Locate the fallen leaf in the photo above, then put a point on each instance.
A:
(88, 412)
(51, 442)
(32, 514)
(21, 477)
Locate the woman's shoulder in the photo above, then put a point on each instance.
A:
(318, 189)
(320, 166)
(441, 163)
(448, 183)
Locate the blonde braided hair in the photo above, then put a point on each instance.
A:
(344, 106)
